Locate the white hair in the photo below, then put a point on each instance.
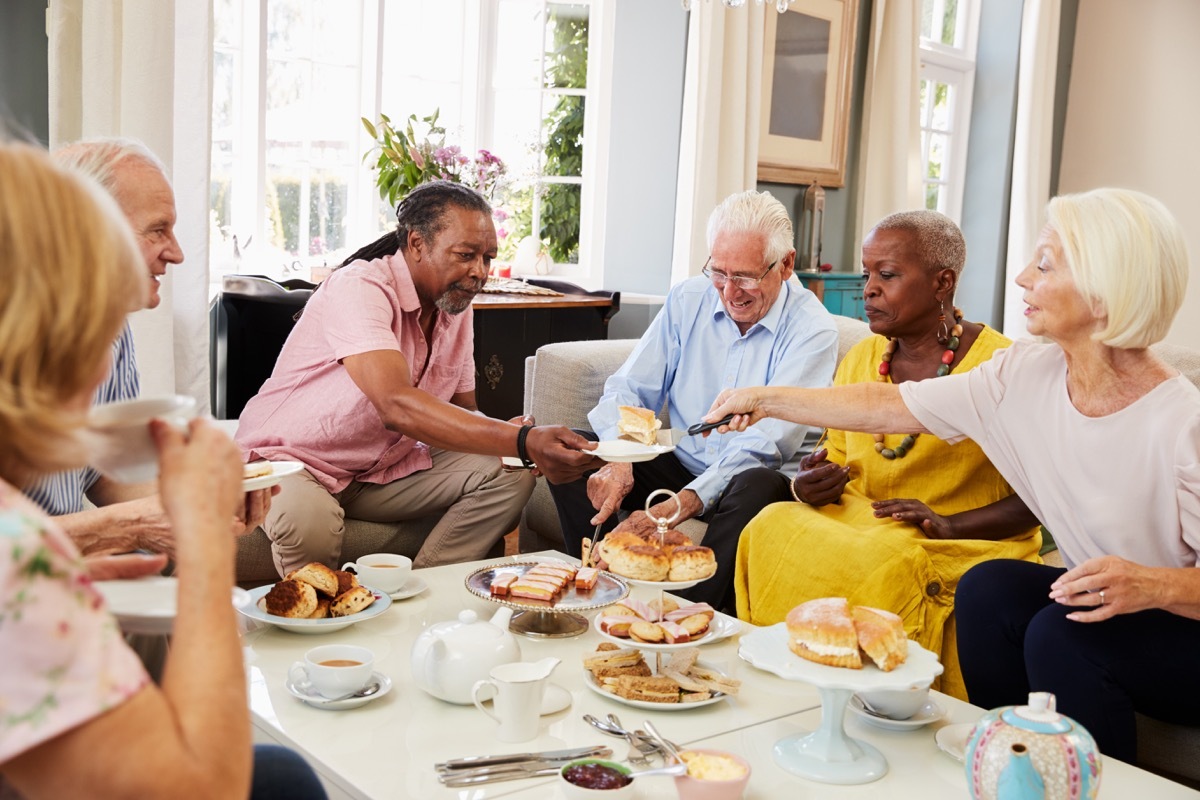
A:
(1127, 253)
(757, 213)
(98, 158)
(939, 241)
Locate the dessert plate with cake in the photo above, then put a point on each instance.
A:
(841, 649)
(315, 599)
(548, 594)
(662, 625)
(265, 474)
(639, 437)
(679, 683)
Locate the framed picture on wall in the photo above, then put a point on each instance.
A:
(808, 61)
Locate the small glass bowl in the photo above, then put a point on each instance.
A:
(574, 791)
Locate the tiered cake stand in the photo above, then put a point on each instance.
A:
(828, 755)
(556, 620)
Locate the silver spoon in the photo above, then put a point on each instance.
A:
(366, 691)
(678, 768)
(636, 754)
(867, 707)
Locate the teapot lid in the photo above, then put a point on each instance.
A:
(1038, 716)
(468, 624)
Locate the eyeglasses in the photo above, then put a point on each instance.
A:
(743, 282)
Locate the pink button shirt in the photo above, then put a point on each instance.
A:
(309, 410)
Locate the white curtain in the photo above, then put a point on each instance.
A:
(722, 95)
(142, 69)
(889, 168)
(1032, 146)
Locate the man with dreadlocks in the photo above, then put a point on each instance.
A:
(374, 392)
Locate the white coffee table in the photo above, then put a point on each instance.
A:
(387, 748)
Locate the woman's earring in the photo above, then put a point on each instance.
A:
(943, 334)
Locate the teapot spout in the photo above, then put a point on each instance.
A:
(502, 617)
(1019, 779)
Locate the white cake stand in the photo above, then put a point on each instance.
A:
(827, 754)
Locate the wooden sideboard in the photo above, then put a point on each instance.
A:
(510, 327)
(840, 292)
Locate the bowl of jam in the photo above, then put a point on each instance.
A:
(591, 778)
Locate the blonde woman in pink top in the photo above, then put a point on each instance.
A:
(78, 715)
(1101, 439)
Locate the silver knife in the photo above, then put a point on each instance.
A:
(472, 762)
(496, 774)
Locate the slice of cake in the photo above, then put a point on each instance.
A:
(823, 631)
(881, 636)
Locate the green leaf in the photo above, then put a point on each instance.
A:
(370, 128)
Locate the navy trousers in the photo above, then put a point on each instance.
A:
(281, 774)
(1012, 639)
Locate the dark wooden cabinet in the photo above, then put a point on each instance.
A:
(510, 327)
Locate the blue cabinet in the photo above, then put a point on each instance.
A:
(840, 292)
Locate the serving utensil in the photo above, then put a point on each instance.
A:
(701, 427)
(472, 762)
(640, 747)
(493, 769)
(669, 748)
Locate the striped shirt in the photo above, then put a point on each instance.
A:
(62, 493)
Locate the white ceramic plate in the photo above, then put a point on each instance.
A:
(594, 685)
(666, 586)
(625, 451)
(316, 701)
(411, 588)
(279, 471)
(255, 611)
(720, 628)
(930, 712)
(147, 605)
(767, 649)
(952, 739)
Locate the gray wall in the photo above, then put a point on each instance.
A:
(24, 88)
(650, 50)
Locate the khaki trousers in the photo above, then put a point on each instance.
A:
(479, 502)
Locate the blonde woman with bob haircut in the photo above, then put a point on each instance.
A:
(81, 717)
(1102, 442)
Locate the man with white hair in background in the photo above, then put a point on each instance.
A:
(746, 321)
(127, 517)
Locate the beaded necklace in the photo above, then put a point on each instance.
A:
(885, 369)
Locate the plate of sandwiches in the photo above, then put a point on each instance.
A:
(662, 625)
(664, 561)
(549, 585)
(639, 437)
(265, 474)
(315, 599)
(679, 682)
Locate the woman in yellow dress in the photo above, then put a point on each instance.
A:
(893, 521)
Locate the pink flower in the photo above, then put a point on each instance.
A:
(417, 158)
(501, 232)
(499, 214)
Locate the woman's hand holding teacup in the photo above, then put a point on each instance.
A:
(1108, 586)
(200, 480)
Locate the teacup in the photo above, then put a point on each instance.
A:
(384, 571)
(897, 703)
(333, 670)
(517, 690)
(120, 432)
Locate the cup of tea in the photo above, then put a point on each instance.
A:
(122, 447)
(384, 571)
(333, 670)
(517, 690)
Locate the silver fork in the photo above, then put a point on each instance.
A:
(638, 754)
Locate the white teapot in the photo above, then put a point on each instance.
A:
(449, 657)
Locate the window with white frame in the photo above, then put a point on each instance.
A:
(949, 35)
(291, 193)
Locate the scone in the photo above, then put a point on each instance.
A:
(823, 631)
(322, 609)
(319, 576)
(638, 425)
(881, 636)
(352, 602)
(292, 599)
(692, 563)
(640, 562)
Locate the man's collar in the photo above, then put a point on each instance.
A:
(774, 314)
(405, 290)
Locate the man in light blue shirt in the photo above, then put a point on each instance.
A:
(746, 322)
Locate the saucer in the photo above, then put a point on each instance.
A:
(930, 712)
(556, 698)
(411, 588)
(316, 701)
(952, 739)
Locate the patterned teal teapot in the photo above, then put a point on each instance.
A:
(1025, 752)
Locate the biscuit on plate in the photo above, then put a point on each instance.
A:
(291, 598)
(319, 576)
(352, 602)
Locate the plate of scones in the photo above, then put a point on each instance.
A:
(677, 683)
(315, 599)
